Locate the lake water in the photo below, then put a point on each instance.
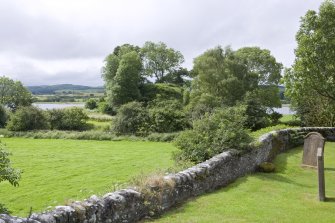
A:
(285, 110)
(46, 106)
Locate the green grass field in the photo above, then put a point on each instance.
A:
(288, 195)
(58, 171)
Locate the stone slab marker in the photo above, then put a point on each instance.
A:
(321, 175)
(312, 142)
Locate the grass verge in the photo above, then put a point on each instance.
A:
(288, 195)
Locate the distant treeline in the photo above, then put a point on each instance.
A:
(61, 88)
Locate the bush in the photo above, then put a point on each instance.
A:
(212, 134)
(168, 116)
(151, 92)
(91, 104)
(3, 116)
(257, 117)
(105, 108)
(68, 119)
(27, 118)
(274, 117)
(132, 118)
(162, 137)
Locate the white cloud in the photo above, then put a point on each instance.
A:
(65, 41)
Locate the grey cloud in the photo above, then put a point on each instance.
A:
(190, 26)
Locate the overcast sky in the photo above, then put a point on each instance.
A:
(66, 41)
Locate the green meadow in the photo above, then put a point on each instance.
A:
(57, 171)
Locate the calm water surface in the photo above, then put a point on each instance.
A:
(285, 109)
(46, 106)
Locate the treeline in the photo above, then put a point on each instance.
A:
(227, 93)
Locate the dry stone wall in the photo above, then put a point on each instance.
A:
(129, 205)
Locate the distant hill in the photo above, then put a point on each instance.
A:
(53, 89)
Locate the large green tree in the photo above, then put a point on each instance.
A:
(231, 75)
(122, 75)
(13, 94)
(159, 60)
(311, 80)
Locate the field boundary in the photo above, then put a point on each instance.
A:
(132, 205)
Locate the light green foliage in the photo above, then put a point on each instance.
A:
(13, 94)
(159, 61)
(229, 76)
(167, 116)
(67, 119)
(7, 172)
(288, 195)
(263, 67)
(217, 72)
(91, 104)
(106, 108)
(27, 118)
(212, 134)
(132, 118)
(310, 82)
(58, 171)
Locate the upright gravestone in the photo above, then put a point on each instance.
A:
(313, 141)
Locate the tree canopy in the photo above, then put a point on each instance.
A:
(122, 75)
(229, 75)
(311, 79)
(13, 94)
(159, 60)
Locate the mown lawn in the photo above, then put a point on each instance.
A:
(288, 195)
(58, 171)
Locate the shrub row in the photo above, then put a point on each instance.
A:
(32, 118)
(87, 135)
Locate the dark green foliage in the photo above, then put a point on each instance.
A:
(124, 87)
(177, 77)
(202, 104)
(214, 133)
(67, 119)
(3, 209)
(132, 118)
(3, 116)
(167, 116)
(160, 91)
(122, 75)
(256, 116)
(275, 117)
(91, 104)
(13, 94)
(27, 118)
(105, 108)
